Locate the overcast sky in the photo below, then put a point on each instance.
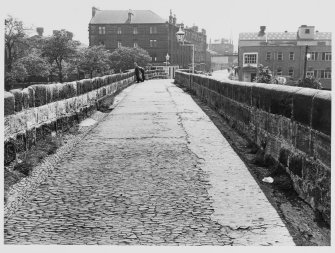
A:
(221, 18)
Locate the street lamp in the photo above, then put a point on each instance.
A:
(307, 57)
(167, 57)
(181, 38)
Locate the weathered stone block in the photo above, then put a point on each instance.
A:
(20, 142)
(9, 103)
(296, 163)
(273, 148)
(18, 99)
(302, 138)
(321, 147)
(40, 94)
(31, 91)
(49, 93)
(25, 98)
(282, 102)
(31, 138)
(321, 113)
(54, 91)
(302, 105)
(10, 151)
(284, 156)
(39, 133)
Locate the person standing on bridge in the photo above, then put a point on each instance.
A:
(139, 73)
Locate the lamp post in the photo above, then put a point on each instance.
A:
(167, 57)
(181, 38)
(307, 57)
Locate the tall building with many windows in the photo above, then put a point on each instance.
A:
(147, 30)
(286, 54)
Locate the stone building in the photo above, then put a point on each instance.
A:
(286, 54)
(147, 30)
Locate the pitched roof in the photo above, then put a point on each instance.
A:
(121, 16)
(281, 36)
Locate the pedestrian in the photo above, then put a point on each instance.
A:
(143, 73)
(139, 73)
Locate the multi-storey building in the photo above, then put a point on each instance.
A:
(147, 30)
(286, 54)
(223, 46)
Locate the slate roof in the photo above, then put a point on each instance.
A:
(282, 36)
(121, 16)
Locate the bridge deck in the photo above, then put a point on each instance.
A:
(155, 171)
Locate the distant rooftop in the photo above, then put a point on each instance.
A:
(121, 17)
(281, 36)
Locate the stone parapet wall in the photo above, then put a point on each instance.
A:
(35, 112)
(291, 124)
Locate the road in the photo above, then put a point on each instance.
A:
(155, 171)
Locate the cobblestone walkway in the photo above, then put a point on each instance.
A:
(156, 171)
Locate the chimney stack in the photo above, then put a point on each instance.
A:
(262, 31)
(130, 12)
(170, 17)
(40, 31)
(94, 10)
(174, 19)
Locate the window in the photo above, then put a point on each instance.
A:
(280, 56)
(119, 44)
(154, 58)
(291, 72)
(279, 72)
(268, 56)
(102, 30)
(119, 30)
(135, 44)
(307, 31)
(327, 56)
(326, 74)
(291, 56)
(313, 56)
(135, 30)
(101, 42)
(309, 73)
(153, 43)
(153, 29)
(250, 59)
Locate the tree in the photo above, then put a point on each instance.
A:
(94, 59)
(14, 39)
(60, 48)
(264, 75)
(310, 82)
(123, 58)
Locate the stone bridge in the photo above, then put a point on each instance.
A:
(153, 169)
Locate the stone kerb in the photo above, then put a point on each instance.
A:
(291, 124)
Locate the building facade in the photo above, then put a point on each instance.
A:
(286, 54)
(223, 46)
(147, 30)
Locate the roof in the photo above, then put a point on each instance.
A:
(121, 16)
(282, 36)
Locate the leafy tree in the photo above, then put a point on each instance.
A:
(310, 82)
(60, 48)
(123, 58)
(264, 75)
(14, 40)
(94, 59)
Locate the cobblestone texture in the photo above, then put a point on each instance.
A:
(155, 171)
